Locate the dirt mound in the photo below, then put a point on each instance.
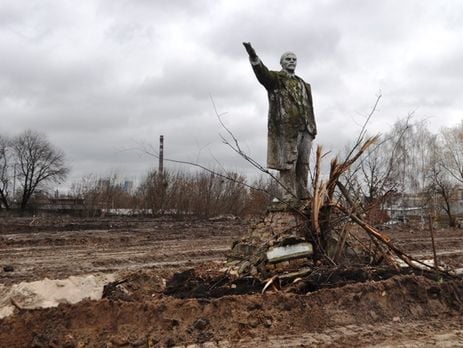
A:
(163, 320)
(192, 283)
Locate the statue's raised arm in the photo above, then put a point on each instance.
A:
(264, 76)
(251, 51)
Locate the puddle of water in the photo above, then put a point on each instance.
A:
(51, 292)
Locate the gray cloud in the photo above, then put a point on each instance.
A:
(101, 77)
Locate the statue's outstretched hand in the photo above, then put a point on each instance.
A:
(250, 50)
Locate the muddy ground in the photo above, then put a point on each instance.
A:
(173, 290)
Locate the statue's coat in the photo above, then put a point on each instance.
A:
(290, 111)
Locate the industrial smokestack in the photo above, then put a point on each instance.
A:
(161, 154)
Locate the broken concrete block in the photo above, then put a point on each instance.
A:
(242, 251)
(288, 252)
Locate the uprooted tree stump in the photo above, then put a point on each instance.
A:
(283, 241)
(292, 239)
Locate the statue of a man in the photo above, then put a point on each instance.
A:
(291, 122)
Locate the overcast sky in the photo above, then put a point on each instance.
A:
(99, 78)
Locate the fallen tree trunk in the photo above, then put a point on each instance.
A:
(386, 241)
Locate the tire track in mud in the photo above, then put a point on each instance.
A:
(409, 335)
(38, 254)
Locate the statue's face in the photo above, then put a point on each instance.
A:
(288, 62)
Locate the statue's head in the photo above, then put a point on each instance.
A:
(288, 62)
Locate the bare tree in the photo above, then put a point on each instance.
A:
(5, 178)
(38, 162)
(155, 189)
(379, 173)
(111, 193)
(446, 191)
(395, 166)
(374, 178)
(257, 201)
(107, 192)
(203, 193)
(452, 151)
(87, 189)
(442, 185)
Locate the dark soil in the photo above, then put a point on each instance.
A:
(189, 284)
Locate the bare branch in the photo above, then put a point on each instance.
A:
(236, 148)
(364, 127)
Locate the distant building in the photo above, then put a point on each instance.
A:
(457, 203)
(60, 203)
(127, 187)
(401, 206)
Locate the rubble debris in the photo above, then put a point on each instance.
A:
(259, 258)
(116, 291)
(193, 284)
(272, 282)
(295, 276)
(223, 217)
(201, 324)
(8, 268)
(48, 293)
(276, 244)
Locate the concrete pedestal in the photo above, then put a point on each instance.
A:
(280, 220)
